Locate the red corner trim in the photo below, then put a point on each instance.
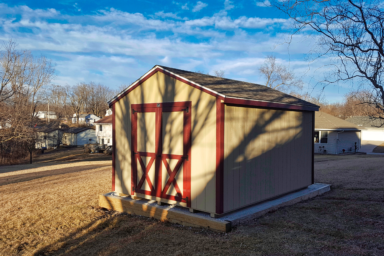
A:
(313, 148)
(113, 147)
(256, 103)
(158, 69)
(219, 156)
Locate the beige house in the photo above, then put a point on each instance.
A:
(334, 135)
(208, 143)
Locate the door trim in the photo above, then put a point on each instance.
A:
(160, 158)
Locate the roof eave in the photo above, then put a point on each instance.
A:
(149, 74)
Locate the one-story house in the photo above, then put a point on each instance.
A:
(104, 130)
(48, 137)
(334, 135)
(208, 143)
(372, 129)
(79, 136)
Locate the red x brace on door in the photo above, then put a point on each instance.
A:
(161, 144)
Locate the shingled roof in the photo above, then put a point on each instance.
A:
(233, 88)
(104, 120)
(324, 121)
(366, 121)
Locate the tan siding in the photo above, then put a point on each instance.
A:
(162, 88)
(267, 153)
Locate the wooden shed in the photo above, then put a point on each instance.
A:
(208, 143)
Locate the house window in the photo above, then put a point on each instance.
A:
(316, 138)
(324, 137)
(101, 128)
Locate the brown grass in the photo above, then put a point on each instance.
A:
(59, 215)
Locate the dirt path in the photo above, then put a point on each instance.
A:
(20, 173)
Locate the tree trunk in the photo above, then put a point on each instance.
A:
(30, 157)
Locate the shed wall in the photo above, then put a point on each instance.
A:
(162, 88)
(267, 153)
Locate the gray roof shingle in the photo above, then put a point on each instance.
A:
(239, 89)
(366, 121)
(326, 121)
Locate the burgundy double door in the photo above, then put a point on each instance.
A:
(161, 143)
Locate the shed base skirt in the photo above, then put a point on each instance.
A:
(181, 215)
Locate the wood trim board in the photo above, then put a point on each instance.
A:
(165, 213)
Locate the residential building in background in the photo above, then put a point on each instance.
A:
(48, 137)
(79, 136)
(372, 129)
(334, 135)
(104, 130)
(46, 115)
(88, 119)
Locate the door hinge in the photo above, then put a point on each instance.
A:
(186, 199)
(185, 109)
(185, 157)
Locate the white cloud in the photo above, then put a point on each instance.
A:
(185, 7)
(199, 6)
(77, 7)
(266, 3)
(122, 46)
(168, 15)
(228, 5)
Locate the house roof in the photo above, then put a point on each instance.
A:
(229, 88)
(105, 120)
(366, 121)
(46, 112)
(326, 121)
(46, 129)
(76, 129)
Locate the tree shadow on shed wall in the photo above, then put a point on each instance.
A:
(239, 156)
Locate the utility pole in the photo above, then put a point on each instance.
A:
(48, 111)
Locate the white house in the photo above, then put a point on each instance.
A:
(372, 129)
(85, 118)
(46, 114)
(79, 136)
(334, 135)
(104, 130)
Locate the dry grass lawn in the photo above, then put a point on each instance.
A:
(59, 215)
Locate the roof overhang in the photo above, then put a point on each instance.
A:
(226, 99)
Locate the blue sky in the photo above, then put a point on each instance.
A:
(115, 42)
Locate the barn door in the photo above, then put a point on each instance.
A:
(161, 163)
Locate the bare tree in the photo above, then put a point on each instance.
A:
(22, 75)
(219, 73)
(98, 98)
(78, 97)
(278, 76)
(352, 30)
